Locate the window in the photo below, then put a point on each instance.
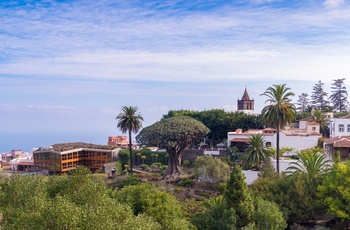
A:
(313, 128)
(348, 128)
(341, 128)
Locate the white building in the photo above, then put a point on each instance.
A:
(339, 126)
(298, 139)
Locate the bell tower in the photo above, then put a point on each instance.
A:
(245, 104)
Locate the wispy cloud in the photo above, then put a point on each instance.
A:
(68, 66)
(334, 3)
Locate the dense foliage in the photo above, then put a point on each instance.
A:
(256, 152)
(147, 199)
(220, 122)
(79, 201)
(334, 191)
(210, 171)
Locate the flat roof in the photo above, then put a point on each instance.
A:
(61, 147)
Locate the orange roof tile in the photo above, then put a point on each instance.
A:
(239, 140)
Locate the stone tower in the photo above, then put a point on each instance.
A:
(245, 104)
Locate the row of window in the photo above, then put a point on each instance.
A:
(342, 126)
(50, 166)
(68, 165)
(48, 156)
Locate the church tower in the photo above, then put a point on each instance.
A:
(245, 104)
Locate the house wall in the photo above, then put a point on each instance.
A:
(296, 142)
(334, 127)
(303, 124)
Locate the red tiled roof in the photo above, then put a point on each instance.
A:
(240, 140)
(306, 119)
(314, 134)
(339, 142)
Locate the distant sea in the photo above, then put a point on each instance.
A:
(27, 141)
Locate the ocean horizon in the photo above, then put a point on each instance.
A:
(27, 141)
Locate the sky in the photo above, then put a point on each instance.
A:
(67, 67)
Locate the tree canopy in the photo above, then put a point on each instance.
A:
(256, 152)
(334, 191)
(339, 95)
(220, 122)
(173, 134)
(319, 97)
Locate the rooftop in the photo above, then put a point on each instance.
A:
(75, 145)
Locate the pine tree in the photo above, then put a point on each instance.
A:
(237, 196)
(339, 95)
(303, 102)
(318, 97)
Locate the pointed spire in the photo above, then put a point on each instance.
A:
(245, 96)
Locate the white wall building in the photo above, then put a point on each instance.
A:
(299, 139)
(339, 126)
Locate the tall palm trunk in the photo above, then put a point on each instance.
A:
(278, 150)
(130, 149)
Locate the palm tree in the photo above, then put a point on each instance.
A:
(130, 120)
(319, 117)
(256, 152)
(279, 112)
(313, 165)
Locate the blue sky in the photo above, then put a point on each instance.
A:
(67, 67)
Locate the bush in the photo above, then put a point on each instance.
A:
(156, 165)
(147, 199)
(267, 215)
(101, 176)
(210, 171)
(186, 163)
(144, 167)
(131, 181)
(187, 182)
(164, 167)
(222, 187)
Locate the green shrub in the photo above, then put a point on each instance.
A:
(222, 187)
(156, 165)
(186, 163)
(210, 171)
(131, 181)
(164, 167)
(187, 182)
(144, 167)
(101, 176)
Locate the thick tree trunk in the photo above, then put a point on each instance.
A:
(174, 169)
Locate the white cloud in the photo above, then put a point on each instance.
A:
(334, 3)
